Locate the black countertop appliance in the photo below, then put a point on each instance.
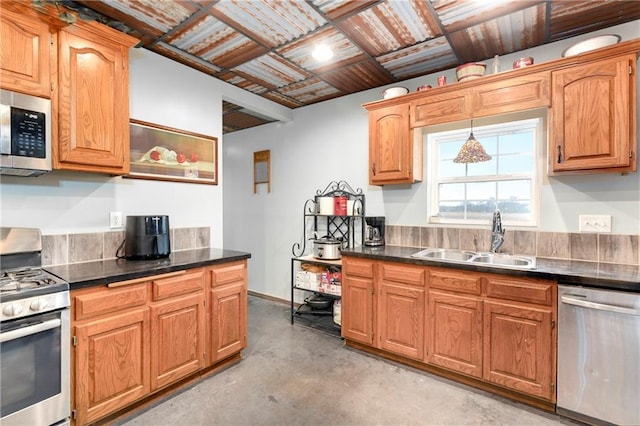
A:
(147, 237)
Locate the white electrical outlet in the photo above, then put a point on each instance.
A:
(115, 219)
(595, 223)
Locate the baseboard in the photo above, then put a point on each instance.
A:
(268, 297)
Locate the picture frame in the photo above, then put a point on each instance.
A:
(164, 153)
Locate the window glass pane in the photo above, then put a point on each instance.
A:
(514, 189)
(452, 191)
(483, 168)
(510, 164)
(481, 191)
(471, 192)
(453, 210)
(516, 143)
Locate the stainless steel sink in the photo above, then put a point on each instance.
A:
(504, 260)
(445, 254)
(481, 259)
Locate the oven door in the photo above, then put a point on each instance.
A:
(34, 369)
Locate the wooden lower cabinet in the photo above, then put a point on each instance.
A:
(455, 332)
(177, 339)
(401, 309)
(228, 310)
(496, 329)
(357, 293)
(134, 338)
(518, 348)
(111, 370)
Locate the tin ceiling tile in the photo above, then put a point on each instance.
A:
(357, 77)
(272, 70)
(272, 22)
(215, 42)
(458, 14)
(300, 50)
(517, 31)
(241, 82)
(420, 59)
(310, 91)
(338, 9)
(238, 120)
(390, 26)
(578, 17)
(162, 16)
(283, 100)
(184, 58)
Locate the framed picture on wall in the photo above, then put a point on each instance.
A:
(164, 153)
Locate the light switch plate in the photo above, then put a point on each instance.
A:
(595, 223)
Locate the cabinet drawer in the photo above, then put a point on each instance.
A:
(443, 108)
(459, 282)
(516, 94)
(100, 301)
(188, 282)
(228, 273)
(357, 268)
(406, 274)
(530, 291)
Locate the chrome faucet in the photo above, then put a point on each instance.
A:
(497, 233)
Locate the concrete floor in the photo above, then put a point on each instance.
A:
(294, 375)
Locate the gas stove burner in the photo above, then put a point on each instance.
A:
(28, 281)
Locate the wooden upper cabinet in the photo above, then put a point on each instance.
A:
(394, 155)
(593, 117)
(93, 100)
(521, 93)
(25, 54)
(441, 108)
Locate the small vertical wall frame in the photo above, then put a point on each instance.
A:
(262, 169)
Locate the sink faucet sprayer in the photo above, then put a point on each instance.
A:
(497, 233)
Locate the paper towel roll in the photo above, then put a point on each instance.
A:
(326, 205)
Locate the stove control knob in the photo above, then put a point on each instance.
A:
(12, 309)
(39, 304)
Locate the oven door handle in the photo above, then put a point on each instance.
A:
(26, 331)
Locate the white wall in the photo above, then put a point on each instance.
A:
(163, 92)
(329, 141)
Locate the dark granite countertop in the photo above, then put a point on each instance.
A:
(80, 275)
(571, 272)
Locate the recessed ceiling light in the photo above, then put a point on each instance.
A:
(322, 52)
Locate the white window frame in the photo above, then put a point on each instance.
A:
(434, 135)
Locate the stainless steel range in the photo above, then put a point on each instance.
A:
(34, 334)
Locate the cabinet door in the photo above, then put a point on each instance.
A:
(93, 104)
(513, 94)
(25, 54)
(401, 319)
(390, 146)
(177, 339)
(441, 108)
(228, 321)
(455, 332)
(357, 308)
(111, 364)
(518, 348)
(593, 116)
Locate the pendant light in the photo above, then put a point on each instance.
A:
(472, 151)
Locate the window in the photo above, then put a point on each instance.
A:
(469, 193)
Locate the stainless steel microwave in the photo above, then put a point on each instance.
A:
(25, 134)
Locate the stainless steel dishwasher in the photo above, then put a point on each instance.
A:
(599, 355)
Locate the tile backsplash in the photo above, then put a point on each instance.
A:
(607, 248)
(61, 249)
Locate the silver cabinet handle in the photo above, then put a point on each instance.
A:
(599, 306)
(33, 329)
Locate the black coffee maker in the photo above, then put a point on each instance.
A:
(374, 231)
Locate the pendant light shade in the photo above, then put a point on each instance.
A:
(472, 151)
